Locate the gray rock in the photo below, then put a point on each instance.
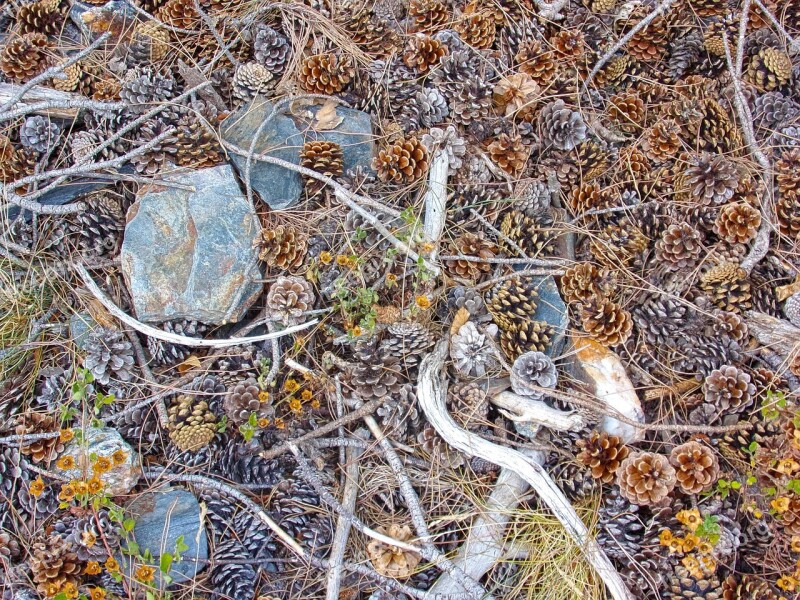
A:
(161, 518)
(551, 309)
(190, 255)
(103, 441)
(283, 138)
(80, 326)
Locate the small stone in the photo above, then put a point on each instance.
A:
(80, 326)
(108, 443)
(190, 254)
(161, 518)
(551, 309)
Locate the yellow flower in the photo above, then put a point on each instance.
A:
(51, 589)
(325, 257)
(315, 403)
(92, 568)
(119, 457)
(97, 594)
(88, 539)
(80, 488)
(67, 493)
(665, 537)
(341, 260)
(102, 465)
(306, 394)
(796, 543)
(65, 463)
(428, 247)
(36, 487)
(145, 573)
(94, 485)
(295, 405)
(291, 386)
(690, 542)
(690, 518)
(352, 262)
(356, 331)
(263, 396)
(391, 280)
(675, 545)
(69, 590)
(112, 566)
(705, 548)
(708, 564)
(780, 504)
(423, 302)
(279, 423)
(787, 583)
(787, 466)
(66, 435)
(263, 423)
(693, 566)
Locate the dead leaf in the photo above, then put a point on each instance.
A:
(190, 363)
(327, 118)
(784, 291)
(460, 318)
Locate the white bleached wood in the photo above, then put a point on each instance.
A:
(526, 409)
(436, 198)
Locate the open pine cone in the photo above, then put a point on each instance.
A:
(289, 297)
(429, 15)
(603, 454)
(728, 287)
(26, 56)
(53, 565)
(39, 450)
(423, 52)
(769, 70)
(696, 467)
(283, 247)
(509, 153)
(646, 478)
(470, 245)
(680, 245)
(583, 280)
(402, 162)
(325, 73)
(729, 389)
(476, 27)
(606, 321)
(244, 399)
(324, 157)
(738, 223)
(192, 425)
(391, 561)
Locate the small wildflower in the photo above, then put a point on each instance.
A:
(81, 488)
(263, 396)
(112, 566)
(787, 466)
(94, 485)
(65, 463)
(145, 573)
(665, 537)
(341, 260)
(356, 331)
(308, 376)
(93, 568)
(315, 404)
(391, 280)
(97, 594)
(306, 395)
(693, 566)
(690, 518)
(428, 247)
(263, 423)
(102, 465)
(325, 257)
(675, 545)
(67, 493)
(708, 564)
(423, 302)
(88, 539)
(36, 487)
(291, 386)
(705, 548)
(758, 513)
(70, 590)
(51, 589)
(690, 542)
(352, 262)
(780, 504)
(787, 583)
(66, 435)
(295, 405)
(796, 543)
(119, 457)
(279, 423)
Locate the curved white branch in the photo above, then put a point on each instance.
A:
(526, 409)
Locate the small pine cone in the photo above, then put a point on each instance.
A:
(773, 109)
(532, 197)
(585, 280)
(711, 179)
(252, 79)
(680, 245)
(471, 354)
(627, 111)
(429, 15)
(602, 454)
(39, 450)
(728, 287)
(195, 145)
(526, 336)
(24, 57)
(289, 297)
(375, 380)
(769, 70)
(149, 43)
(53, 564)
(696, 467)
(587, 196)
(155, 159)
(738, 223)
(516, 95)
(731, 325)
(685, 52)
(533, 370)
(39, 133)
(438, 450)
(93, 535)
(662, 141)
(509, 153)
(729, 389)
(145, 86)
(165, 353)
(423, 52)
(660, 317)
(648, 44)
(325, 73)
(476, 28)
(788, 209)
(561, 126)
(179, 13)
(530, 234)
(405, 343)
(708, 8)
(646, 478)
(403, 162)
(283, 247)
(787, 173)
(455, 70)
(606, 321)
(573, 480)
(468, 404)
(271, 49)
(10, 468)
(192, 425)
(473, 245)
(108, 353)
(535, 62)
(391, 561)
(246, 398)
(41, 16)
(512, 300)
(10, 549)
(617, 243)
(696, 585)
(325, 158)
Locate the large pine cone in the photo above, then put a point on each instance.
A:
(646, 478)
(606, 321)
(470, 245)
(680, 245)
(423, 52)
(561, 126)
(53, 565)
(696, 467)
(403, 162)
(729, 389)
(475, 27)
(325, 73)
(512, 300)
(283, 247)
(192, 425)
(710, 179)
(603, 454)
(24, 57)
(429, 15)
(769, 70)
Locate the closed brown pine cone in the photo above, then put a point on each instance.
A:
(606, 321)
(646, 478)
(470, 244)
(283, 247)
(738, 223)
(602, 453)
(509, 153)
(423, 52)
(696, 467)
(325, 73)
(403, 162)
(24, 57)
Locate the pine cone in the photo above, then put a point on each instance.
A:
(476, 28)
(685, 52)
(325, 158)
(244, 399)
(292, 503)
(708, 8)
(562, 127)
(24, 57)
(39, 133)
(573, 480)
(149, 43)
(533, 370)
(156, 158)
(648, 44)
(283, 247)
(370, 31)
(429, 15)
(232, 575)
(584, 280)
(391, 561)
(53, 564)
(325, 73)
(455, 71)
(773, 109)
(660, 318)
(769, 70)
(108, 353)
(271, 49)
(464, 199)
(471, 102)
(146, 86)
(252, 79)
(509, 153)
(738, 223)
(516, 96)
(680, 246)
(403, 162)
(717, 133)
(729, 389)
(289, 297)
(195, 145)
(93, 535)
(586, 197)
(712, 180)
(535, 62)
(727, 286)
(627, 111)
(787, 173)
(526, 336)
(399, 415)
(179, 13)
(438, 450)
(191, 424)
(39, 450)
(375, 380)
(9, 548)
(696, 467)
(471, 245)
(606, 321)
(602, 454)
(530, 234)
(423, 52)
(471, 353)
(10, 469)
(700, 355)
(683, 584)
(42, 16)
(646, 478)
(661, 141)
(532, 197)
(512, 300)
(468, 404)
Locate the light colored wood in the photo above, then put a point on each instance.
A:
(39, 94)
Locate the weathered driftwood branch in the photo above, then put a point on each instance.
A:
(431, 393)
(777, 334)
(485, 541)
(526, 409)
(436, 197)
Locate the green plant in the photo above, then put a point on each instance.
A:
(709, 529)
(356, 305)
(771, 405)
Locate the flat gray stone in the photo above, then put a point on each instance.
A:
(103, 441)
(284, 137)
(161, 518)
(80, 326)
(551, 309)
(191, 255)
